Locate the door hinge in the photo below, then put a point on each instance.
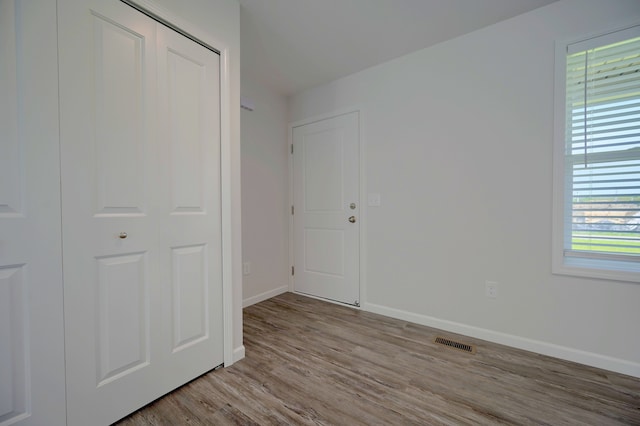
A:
(292, 210)
(292, 148)
(293, 270)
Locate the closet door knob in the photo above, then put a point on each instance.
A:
(123, 235)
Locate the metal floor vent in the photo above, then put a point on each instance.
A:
(455, 345)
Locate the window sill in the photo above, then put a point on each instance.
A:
(599, 269)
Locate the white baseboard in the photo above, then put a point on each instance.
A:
(238, 353)
(264, 296)
(544, 348)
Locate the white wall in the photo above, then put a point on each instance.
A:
(219, 20)
(264, 193)
(458, 140)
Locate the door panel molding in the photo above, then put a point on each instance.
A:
(119, 104)
(190, 296)
(15, 394)
(122, 307)
(11, 160)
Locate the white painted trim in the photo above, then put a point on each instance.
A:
(226, 173)
(290, 201)
(364, 208)
(561, 228)
(569, 354)
(321, 117)
(226, 179)
(238, 354)
(155, 9)
(322, 299)
(362, 196)
(264, 296)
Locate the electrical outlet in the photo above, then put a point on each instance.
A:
(491, 289)
(246, 268)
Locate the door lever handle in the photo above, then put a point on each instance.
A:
(352, 219)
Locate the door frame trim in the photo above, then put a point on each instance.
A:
(361, 196)
(229, 176)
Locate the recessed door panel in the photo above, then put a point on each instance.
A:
(119, 118)
(190, 295)
(324, 251)
(323, 170)
(11, 165)
(123, 315)
(186, 103)
(14, 351)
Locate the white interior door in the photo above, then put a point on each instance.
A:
(31, 322)
(326, 208)
(140, 145)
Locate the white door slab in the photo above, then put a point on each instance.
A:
(31, 312)
(326, 208)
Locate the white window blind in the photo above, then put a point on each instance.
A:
(602, 148)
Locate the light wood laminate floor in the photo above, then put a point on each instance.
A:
(316, 363)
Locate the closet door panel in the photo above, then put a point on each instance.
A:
(110, 232)
(120, 122)
(123, 315)
(31, 324)
(188, 131)
(190, 216)
(14, 348)
(11, 164)
(189, 293)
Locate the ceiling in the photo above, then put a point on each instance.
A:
(293, 45)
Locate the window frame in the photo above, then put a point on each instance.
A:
(590, 267)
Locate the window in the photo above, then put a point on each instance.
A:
(597, 157)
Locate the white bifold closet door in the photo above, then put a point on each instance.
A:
(140, 151)
(31, 325)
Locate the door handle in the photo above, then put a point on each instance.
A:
(352, 219)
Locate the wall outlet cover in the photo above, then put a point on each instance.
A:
(491, 289)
